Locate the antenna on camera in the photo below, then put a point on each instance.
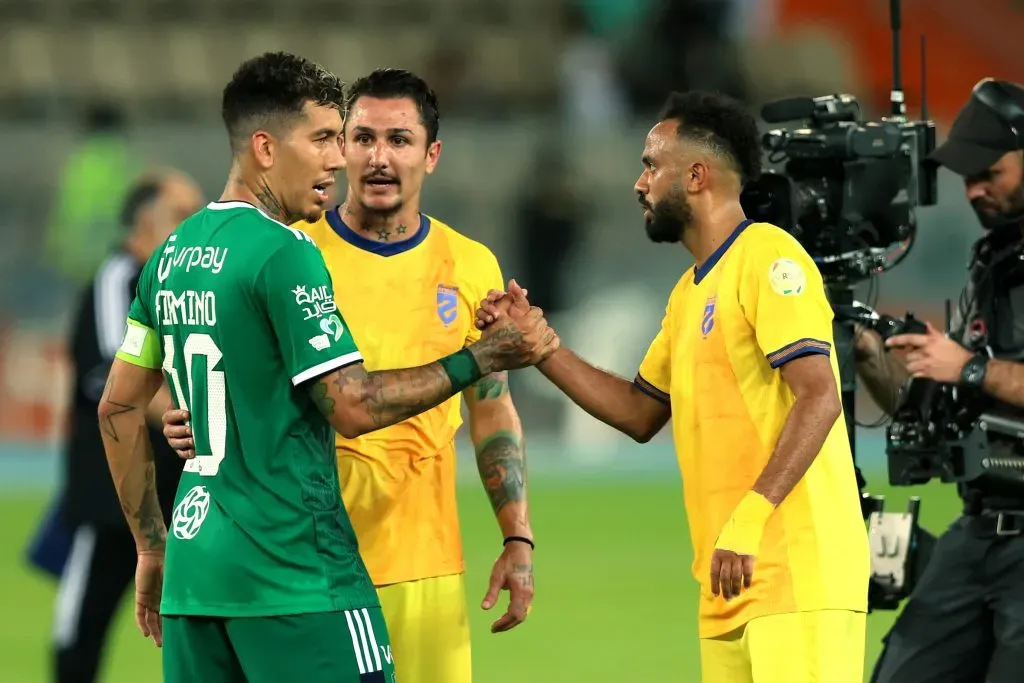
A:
(896, 98)
(924, 82)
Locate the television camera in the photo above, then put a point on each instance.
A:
(848, 190)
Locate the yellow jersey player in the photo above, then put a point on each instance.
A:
(411, 287)
(744, 368)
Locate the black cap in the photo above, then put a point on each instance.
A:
(979, 137)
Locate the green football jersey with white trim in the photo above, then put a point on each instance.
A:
(238, 311)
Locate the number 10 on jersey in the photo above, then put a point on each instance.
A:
(204, 395)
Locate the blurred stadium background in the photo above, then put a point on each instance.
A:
(545, 104)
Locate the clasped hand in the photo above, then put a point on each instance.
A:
(524, 334)
(500, 309)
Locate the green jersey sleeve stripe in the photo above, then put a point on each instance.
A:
(140, 346)
(327, 366)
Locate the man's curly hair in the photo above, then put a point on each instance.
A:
(275, 86)
(722, 124)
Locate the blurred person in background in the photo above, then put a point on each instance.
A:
(965, 619)
(95, 176)
(682, 45)
(552, 215)
(101, 560)
(411, 285)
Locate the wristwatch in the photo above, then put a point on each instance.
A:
(973, 373)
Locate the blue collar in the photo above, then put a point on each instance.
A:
(373, 246)
(701, 271)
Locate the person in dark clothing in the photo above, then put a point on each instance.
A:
(100, 562)
(964, 621)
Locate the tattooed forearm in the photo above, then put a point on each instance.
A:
(112, 408)
(122, 417)
(356, 401)
(134, 474)
(147, 515)
(492, 386)
(394, 395)
(499, 458)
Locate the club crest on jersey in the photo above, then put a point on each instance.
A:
(447, 303)
(707, 323)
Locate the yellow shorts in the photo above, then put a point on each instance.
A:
(428, 622)
(825, 646)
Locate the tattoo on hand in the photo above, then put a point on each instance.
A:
(121, 409)
(502, 469)
(525, 574)
(494, 385)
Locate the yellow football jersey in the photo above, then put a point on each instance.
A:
(756, 303)
(406, 303)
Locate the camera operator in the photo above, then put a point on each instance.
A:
(965, 619)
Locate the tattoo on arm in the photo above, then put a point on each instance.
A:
(115, 409)
(502, 467)
(322, 398)
(394, 395)
(147, 514)
(130, 458)
(366, 401)
(494, 385)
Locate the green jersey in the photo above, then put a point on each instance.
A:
(238, 311)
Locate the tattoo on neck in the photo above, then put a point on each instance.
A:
(270, 203)
(401, 229)
(383, 235)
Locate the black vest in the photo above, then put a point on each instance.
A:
(990, 319)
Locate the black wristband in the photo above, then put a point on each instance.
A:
(520, 539)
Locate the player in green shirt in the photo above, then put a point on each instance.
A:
(236, 310)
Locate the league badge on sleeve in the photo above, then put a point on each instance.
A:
(786, 277)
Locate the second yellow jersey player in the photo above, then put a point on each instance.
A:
(408, 286)
(406, 303)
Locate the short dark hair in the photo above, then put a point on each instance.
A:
(274, 85)
(396, 84)
(720, 122)
(139, 195)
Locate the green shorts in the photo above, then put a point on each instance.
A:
(330, 647)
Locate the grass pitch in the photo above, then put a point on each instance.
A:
(615, 600)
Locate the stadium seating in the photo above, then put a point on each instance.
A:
(176, 54)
